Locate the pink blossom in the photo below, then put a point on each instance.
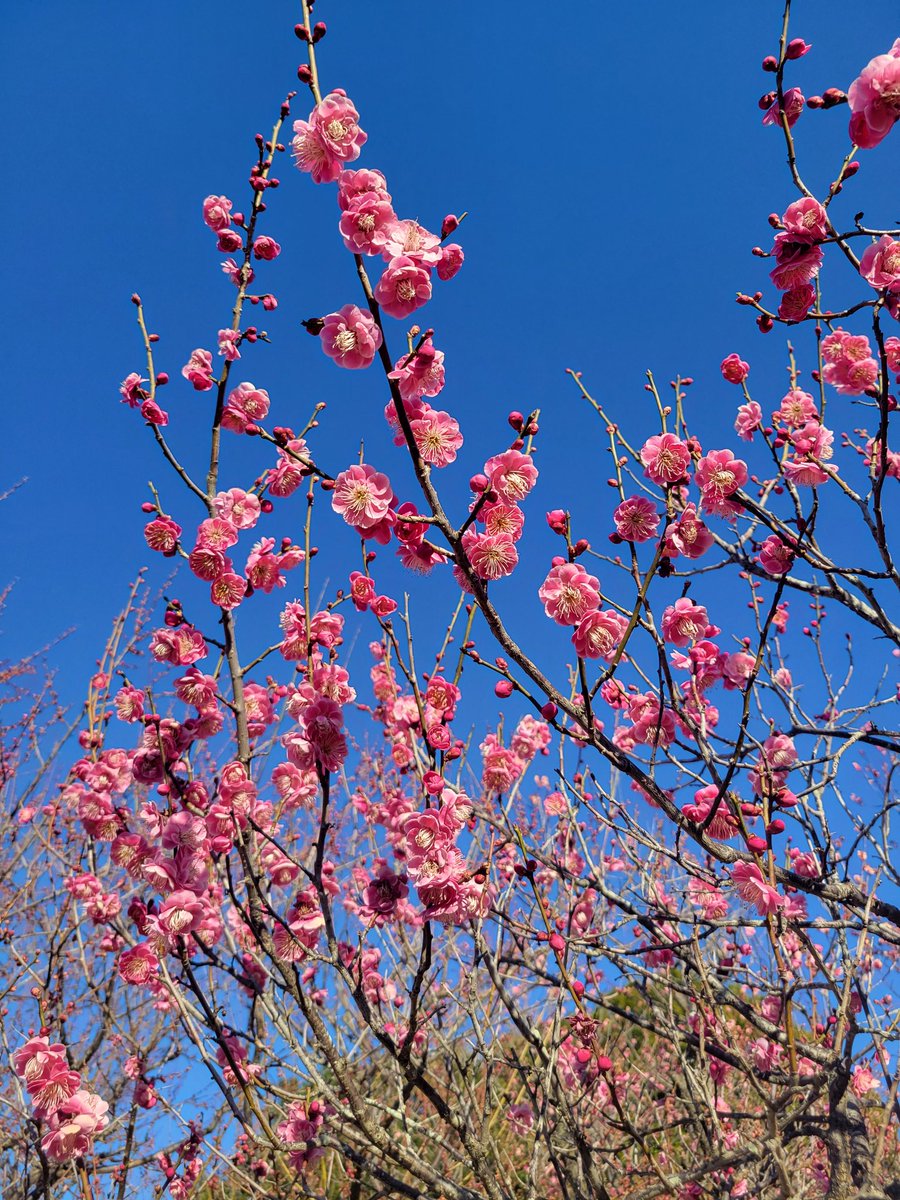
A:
(403, 287)
(775, 556)
(351, 337)
(452, 258)
(420, 374)
(723, 825)
(796, 303)
(246, 405)
(198, 370)
(797, 262)
(569, 593)
(665, 458)
(217, 212)
(492, 555)
(182, 645)
(131, 391)
(162, 535)
(366, 223)
(752, 887)
(362, 496)
(794, 101)
(437, 437)
(73, 1125)
(239, 508)
(874, 99)
(362, 590)
(806, 220)
(684, 622)
(849, 365)
(328, 139)
(654, 724)
(229, 343)
(599, 634)
(891, 350)
(284, 479)
(734, 369)
(718, 475)
(880, 264)
(138, 965)
(688, 535)
(796, 408)
(749, 419)
(410, 239)
(504, 518)
(364, 182)
(512, 474)
(636, 519)
(266, 248)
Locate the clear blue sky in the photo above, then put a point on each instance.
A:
(613, 163)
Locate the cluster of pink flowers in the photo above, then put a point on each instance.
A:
(848, 362)
(73, 1114)
(447, 888)
(798, 256)
(300, 1130)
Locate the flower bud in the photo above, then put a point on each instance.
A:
(301, 32)
(449, 225)
(162, 379)
(797, 48)
(479, 483)
(549, 711)
(833, 96)
(503, 689)
(319, 31)
(516, 421)
(756, 844)
(304, 74)
(765, 323)
(558, 520)
(769, 63)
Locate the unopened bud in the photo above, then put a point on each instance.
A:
(304, 74)
(797, 48)
(319, 31)
(503, 689)
(769, 63)
(449, 225)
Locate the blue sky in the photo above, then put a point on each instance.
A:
(616, 173)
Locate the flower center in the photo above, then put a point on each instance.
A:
(405, 290)
(336, 130)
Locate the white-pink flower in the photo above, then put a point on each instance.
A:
(362, 496)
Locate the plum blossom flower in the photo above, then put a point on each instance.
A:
(198, 370)
(512, 474)
(351, 337)
(599, 634)
(797, 262)
(229, 344)
(734, 369)
(748, 420)
(849, 365)
(707, 800)
(362, 496)
(796, 302)
(492, 555)
(131, 391)
(636, 519)
(794, 102)
(684, 622)
(403, 287)
(665, 458)
(437, 437)
(73, 1125)
(363, 182)
(331, 137)
(239, 508)
(217, 212)
(366, 223)
(452, 258)
(806, 220)
(752, 887)
(719, 475)
(266, 248)
(181, 646)
(420, 374)
(880, 265)
(569, 593)
(162, 535)
(245, 406)
(688, 535)
(776, 557)
(874, 99)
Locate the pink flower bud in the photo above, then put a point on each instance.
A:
(503, 688)
(478, 483)
(449, 225)
(557, 942)
(756, 844)
(558, 520)
(516, 421)
(549, 711)
(776, 826)
(604, 1063)
(770, 63)
(797, 48)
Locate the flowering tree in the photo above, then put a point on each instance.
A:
(283, 931)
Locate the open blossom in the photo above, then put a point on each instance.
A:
(796, 302)
(162, 535)
(718, 475)
(410, 239)
(636, 519)
(794, 102)
(217, 212)
(688, 535)
(599, 634)
(229, 343)
(722, 824)
(492, 555)
(181, 646)
(849, 365)
(198, 370)
(362, 496)
(420, 374)
(239, 508)
(131, 391)
(72, 1126)
(351, 337)
(266, 248)
(734, 369)
(806, 220)
(874, 99)
(665, 458)
(367, 223)
(512, 474)
(245, 406)
(753, 888)
(797, 262)
(452, 258)
(329, 138)
(362, 182)
(684, 622)
(403, 287)
(437, 437)
(776, 557)
(569, 593)
(880, 265)
(796, 408)
(748, 420)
